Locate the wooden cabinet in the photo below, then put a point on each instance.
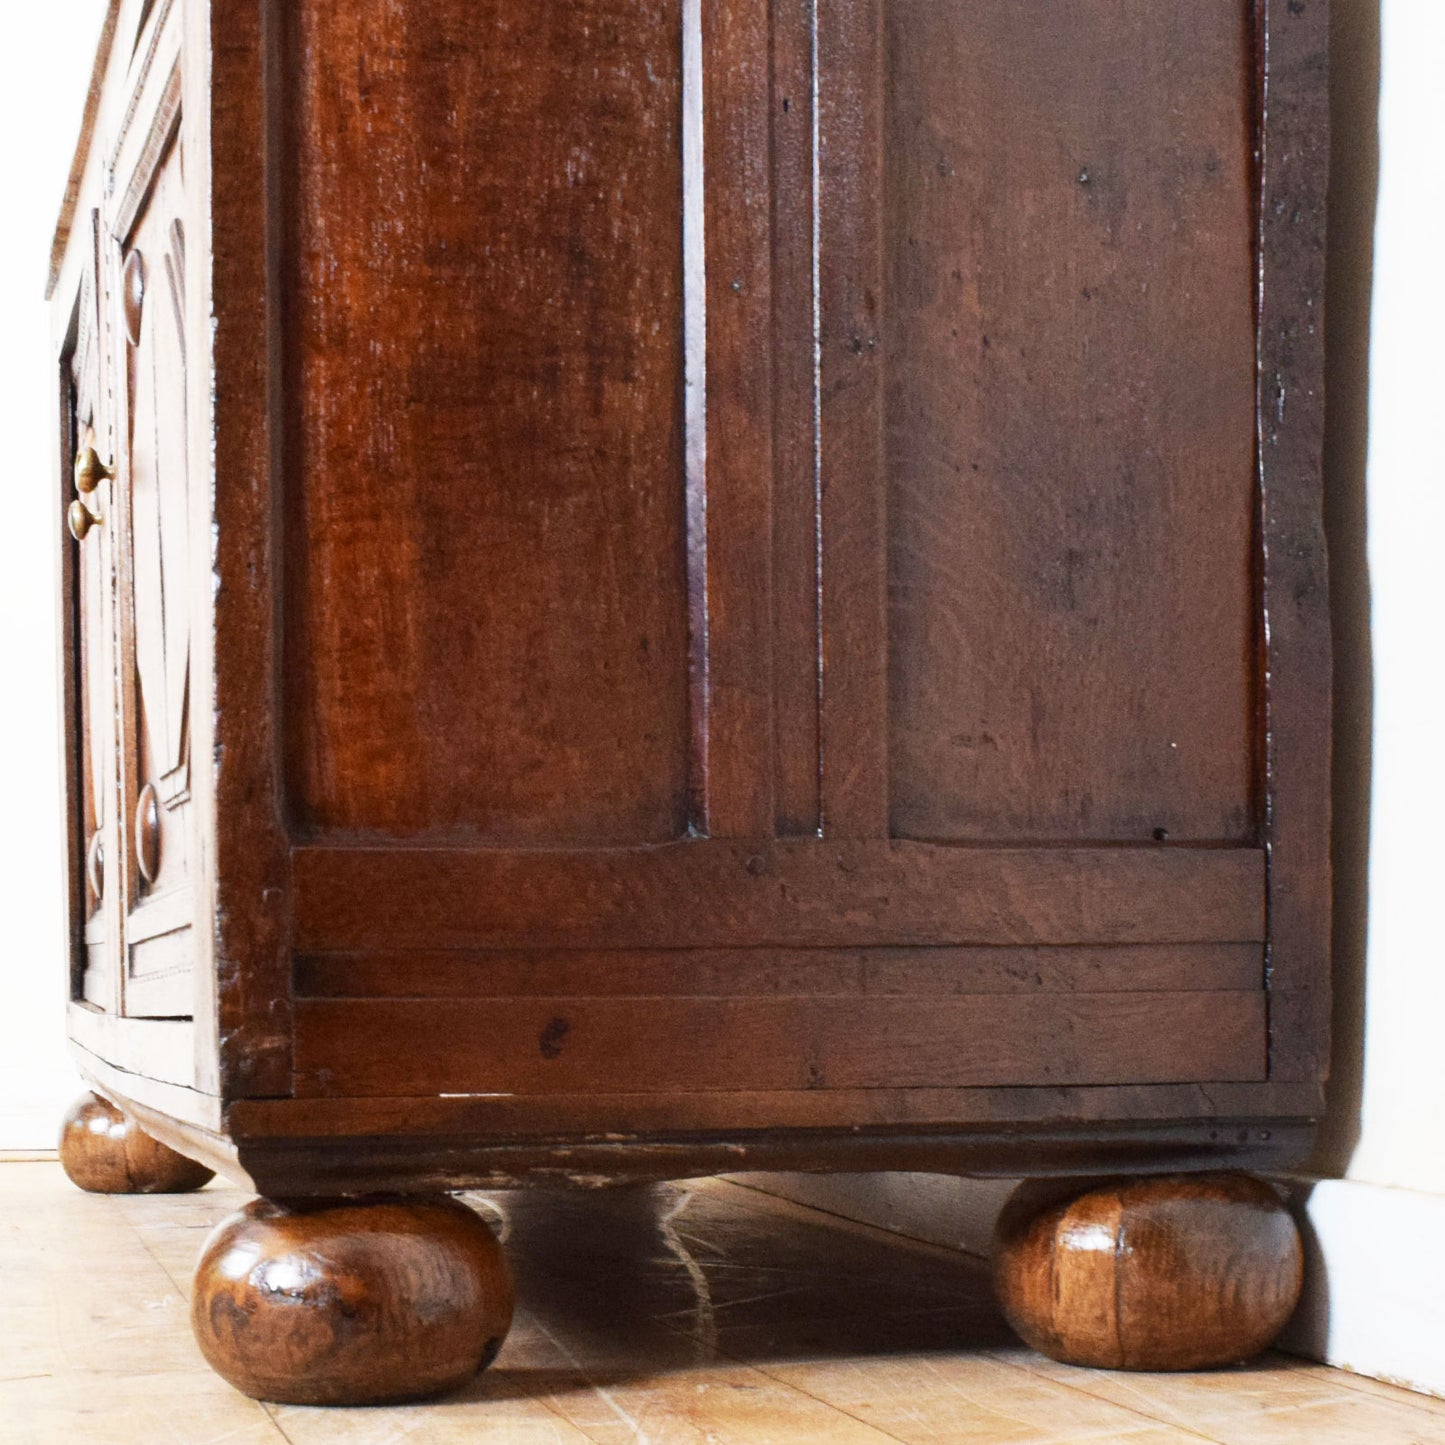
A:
(125, 409)
(694, 583)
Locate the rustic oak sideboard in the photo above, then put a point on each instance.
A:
(663, 585)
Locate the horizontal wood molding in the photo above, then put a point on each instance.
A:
(800, 893)
(126, 1089)
(763, 972)
(188, 1122)
(71, 205)
(162, 1049)
(554, 1116)
(610, 1045)
(284, 1168)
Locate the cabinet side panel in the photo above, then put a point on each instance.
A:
(487, 616)
(1069, 431)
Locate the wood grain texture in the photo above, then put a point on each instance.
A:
(351, 1302)
(155, 336)
(742, 973)
(730, 550)
(856, 1350)
(106, 1152)
(734, 174)
(245, 875)
(796, 475)
(486, 625)
(659, 1045)
(1228, 1116)
(852, 518)
(161, 1049)
(1174, 1273)
(1069, 358)
(359, 1163)
(1292, 46)
(792, 892)
(312, 1146)
(74, 204)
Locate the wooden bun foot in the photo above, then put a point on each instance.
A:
(351, 1302)
(103, 1152)
(1184, 1272)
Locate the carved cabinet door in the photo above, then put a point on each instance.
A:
(149, 257)
(87, 451)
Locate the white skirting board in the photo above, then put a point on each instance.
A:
(1374, 1299)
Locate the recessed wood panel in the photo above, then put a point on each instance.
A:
(1069, 437)
(153, 285)
(486, 606)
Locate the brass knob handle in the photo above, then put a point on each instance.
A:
(90, 471)
(81, 519)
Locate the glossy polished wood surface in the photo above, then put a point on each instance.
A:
(104, 1152)
(1176, 1273)
(351, 1302)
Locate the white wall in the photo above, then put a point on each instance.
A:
(43, 78)
(1402, 1093)
(1375, 1292)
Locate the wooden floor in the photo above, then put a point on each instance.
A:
(698, 1313)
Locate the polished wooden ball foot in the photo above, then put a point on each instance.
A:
(105, 1153)
(360, 1302)
(1184, 1272)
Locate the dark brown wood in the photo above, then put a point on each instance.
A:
(243, 955)
(1176, 1273)
(295, 1147)
(690, 582)
(104, 1151)
(354, 1302)
(362, 1163)
(1292, 45)
(789, 892)
(1228, 1114)
(736, 483)
(1068, 342)
(796, 476)
(472, 646)
(853, 582)
(743, 973)
(352, 1048)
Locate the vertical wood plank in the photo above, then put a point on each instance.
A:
(1294, 150)
(795, 398)
(244, 1046)
(736, 185)
(849, 245)
(694, 413)
(62, 432)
